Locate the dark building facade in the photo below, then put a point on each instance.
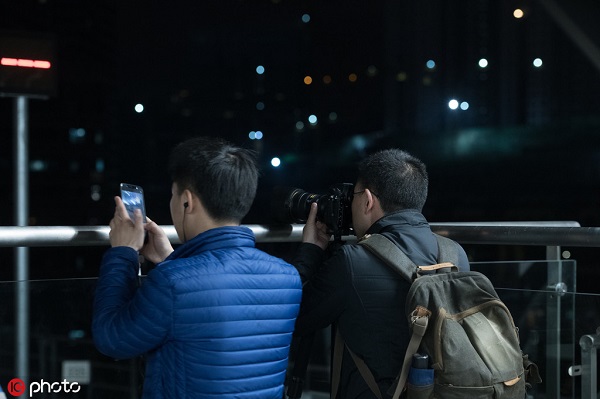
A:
(504, 110)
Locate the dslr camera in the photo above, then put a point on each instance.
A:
(292, 205)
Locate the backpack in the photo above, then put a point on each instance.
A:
(459, 321)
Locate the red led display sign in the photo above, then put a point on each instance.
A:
(27, 64)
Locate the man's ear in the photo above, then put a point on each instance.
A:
(370, 202)
(373, 206)
(188, 200)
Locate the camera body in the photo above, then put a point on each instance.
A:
(334, 207)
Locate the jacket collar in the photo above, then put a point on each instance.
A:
(217, 238)
(403, 219)
(411, 232)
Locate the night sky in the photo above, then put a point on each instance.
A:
(382, 74)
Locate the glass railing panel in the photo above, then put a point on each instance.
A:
(60, 344)
(541, 297)
(550, 322)
(535, 275)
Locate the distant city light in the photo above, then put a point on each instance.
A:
(483, 63)
(95, 194)
(100, 165)
(537, 62)
(260, 106)
(275, 162)
(260, 69)
(299, 125)
(464, 105)
(518, 13)
(312, 119)
(77, 135)
(359, 143)
(352, 77)
(38, 165)
(430, 64)
(453, 104)
(305, 18)
(326, 79)
(307, 80)
(372, 70)
(401, 76)
(255, 135)
(139, 108)
(333, 116)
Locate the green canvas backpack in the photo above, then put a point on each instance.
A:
(459, 321)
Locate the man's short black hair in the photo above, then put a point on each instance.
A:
(397, 178)
(223, 176)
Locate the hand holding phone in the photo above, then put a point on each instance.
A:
(133, 198)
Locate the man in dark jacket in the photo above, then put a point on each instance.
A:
(354, 290)
(216, 316)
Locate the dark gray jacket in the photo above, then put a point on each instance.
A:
(365, 298)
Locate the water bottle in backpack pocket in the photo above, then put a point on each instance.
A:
(420, 378)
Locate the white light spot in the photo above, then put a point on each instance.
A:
(518, 13)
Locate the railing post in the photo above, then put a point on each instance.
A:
(21, 198)
(133, 378)
(589, 365)
(553, 325)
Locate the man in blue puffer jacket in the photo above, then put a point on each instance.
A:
(215, 317)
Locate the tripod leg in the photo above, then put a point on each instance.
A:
(303, 351)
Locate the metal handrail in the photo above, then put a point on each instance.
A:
(53, 236)
(561, 233)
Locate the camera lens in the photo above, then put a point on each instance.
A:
(292, 205)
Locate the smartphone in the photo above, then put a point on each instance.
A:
(133, 198)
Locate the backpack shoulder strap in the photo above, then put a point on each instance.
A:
(448, 250)
(389, 252)
(393, 256)
(363, 369)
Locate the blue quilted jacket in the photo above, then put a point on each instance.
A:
(215, 319)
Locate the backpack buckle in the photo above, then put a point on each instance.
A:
(419, 319)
